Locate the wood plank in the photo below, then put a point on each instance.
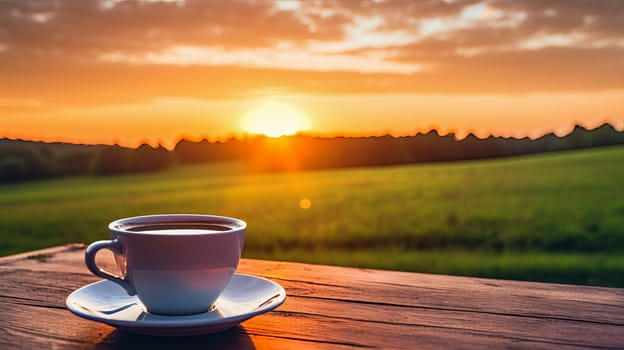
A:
(41, 254)
(52, 291)
(41, 328)
(330, 307)
(437, 292)
(37, 327)
(441, 292)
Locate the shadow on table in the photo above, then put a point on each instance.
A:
(235, 338)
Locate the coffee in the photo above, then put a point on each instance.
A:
(177, 264)
(178, 228)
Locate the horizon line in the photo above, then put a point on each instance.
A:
(248, 136)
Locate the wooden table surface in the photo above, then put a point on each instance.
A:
(327, 308)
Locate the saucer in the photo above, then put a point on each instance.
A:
(245, 297)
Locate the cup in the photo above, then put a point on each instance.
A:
(176, 264)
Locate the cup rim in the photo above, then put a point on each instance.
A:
(117, 225)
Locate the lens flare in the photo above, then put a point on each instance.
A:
(305, 203)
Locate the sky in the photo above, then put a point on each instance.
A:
(129, 72)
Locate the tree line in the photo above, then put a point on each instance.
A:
(26, 160)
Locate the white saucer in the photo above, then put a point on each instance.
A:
(246, 296)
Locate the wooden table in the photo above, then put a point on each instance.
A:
(329, 308)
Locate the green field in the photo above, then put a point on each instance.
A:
(557, 217)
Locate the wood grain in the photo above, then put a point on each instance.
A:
(327, 307)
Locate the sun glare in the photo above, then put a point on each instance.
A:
(274, 119)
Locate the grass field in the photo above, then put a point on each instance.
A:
(557, 217)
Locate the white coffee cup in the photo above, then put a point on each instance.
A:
(176, 264)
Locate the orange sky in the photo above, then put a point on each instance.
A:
(127, 72)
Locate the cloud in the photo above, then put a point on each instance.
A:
(88, 27)
(61, 51)
(398, 12)
(599, 19)
(19, 104)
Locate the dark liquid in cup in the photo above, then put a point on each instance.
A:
(180, 227)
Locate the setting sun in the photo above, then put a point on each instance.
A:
(274, 119)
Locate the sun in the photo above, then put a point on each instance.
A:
(274, 119)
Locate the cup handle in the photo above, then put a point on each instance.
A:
(116, 248)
